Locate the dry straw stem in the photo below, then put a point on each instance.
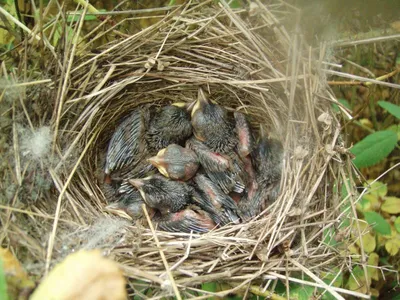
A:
(247, 61)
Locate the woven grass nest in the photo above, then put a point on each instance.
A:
(247, 62)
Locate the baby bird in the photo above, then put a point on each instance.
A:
(125, 200)
(169, 125)
(126, 144)
(227, 171)
(267, 160)
(267, 164)
(142, 134)
(212, 125)
(166, 195)
(176, 162)
(186, 220)
(211, 199)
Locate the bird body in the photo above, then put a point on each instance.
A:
(212, 125)
(266, 174)
(186, 220)
(126, 143)
(213, 200)
(166, 195)
(143, 133)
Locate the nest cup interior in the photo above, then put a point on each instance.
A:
(248, 62)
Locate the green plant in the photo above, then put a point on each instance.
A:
(3, 282)
(378, 145)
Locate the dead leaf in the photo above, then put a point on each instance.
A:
(396, 25)
(83, 275)
(19, 284)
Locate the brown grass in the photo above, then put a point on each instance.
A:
(248, 62)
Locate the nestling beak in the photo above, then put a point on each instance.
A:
(116, 209)
(188, 106)
(200, 102)
(155, 161)
(137, 183)
(159, 162)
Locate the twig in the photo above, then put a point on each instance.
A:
(309, 283)
(164, 259)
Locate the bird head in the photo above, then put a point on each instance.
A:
(176, 162)
(161, 193)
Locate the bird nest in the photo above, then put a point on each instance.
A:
(246, 61)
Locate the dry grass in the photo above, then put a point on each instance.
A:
(248, 62)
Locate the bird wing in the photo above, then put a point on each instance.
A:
(211, 161)
(125, 143)
(182, 224)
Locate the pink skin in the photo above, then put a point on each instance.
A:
(192, 215)
(244, 149)
(250, 171)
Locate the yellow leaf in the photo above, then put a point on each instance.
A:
(391, 205)
(374, 292)
(392, 247)
(373, 261)
(357, 281)
(83, 275)
(368, 238)
(381, 240)
(377, 188)
(396, 25)
(373, 200)
(369, 242)
(18, 281)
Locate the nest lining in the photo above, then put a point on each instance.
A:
(247, 62)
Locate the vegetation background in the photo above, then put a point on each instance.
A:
(374, 128)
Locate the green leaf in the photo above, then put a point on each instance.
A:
(235, 4)
(301, 292)
(342, 101)
(357, 281)
(378, 223)
(376, 188)
(391, 108)
(209, 287)
(396, 129)
(3, 282)
(397, 224)
(335, 277)
(329, 237)
(391, 205)
(75, 17)
(374, 148)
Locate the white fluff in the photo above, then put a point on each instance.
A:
(36, 144)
